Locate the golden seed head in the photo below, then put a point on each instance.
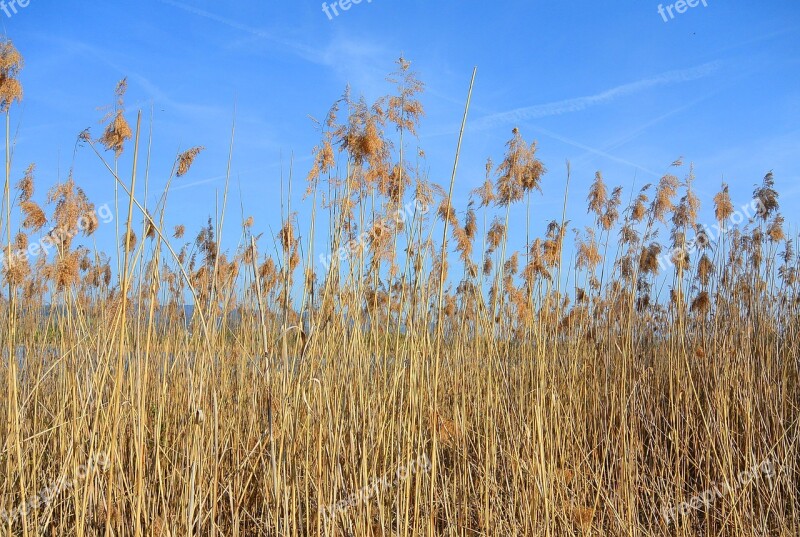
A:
(10, 66)
(116, 134)
(25, 185)
(186, 159)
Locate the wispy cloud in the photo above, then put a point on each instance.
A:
(304, 51)
(184, 186)
(360, 62)
(162, 99)
(248, 173)
(635, 133)
(594, 150)
(71, 48)
(582, 103)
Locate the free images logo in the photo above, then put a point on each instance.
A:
(12, 7)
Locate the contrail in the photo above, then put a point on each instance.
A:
(582, 103)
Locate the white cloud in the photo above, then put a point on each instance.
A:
(578, 104)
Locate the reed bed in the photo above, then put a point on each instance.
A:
(419, 375)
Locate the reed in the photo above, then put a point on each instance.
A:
(431, 377)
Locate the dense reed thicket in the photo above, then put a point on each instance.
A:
(421, 374)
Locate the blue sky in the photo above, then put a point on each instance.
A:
(610, 86)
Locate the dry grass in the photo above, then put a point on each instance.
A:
(293, 383)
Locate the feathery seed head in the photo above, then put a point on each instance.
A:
(10, 66)
(186, 159)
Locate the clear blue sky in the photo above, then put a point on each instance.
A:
(610, 86)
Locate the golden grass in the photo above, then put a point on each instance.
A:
(294, 383)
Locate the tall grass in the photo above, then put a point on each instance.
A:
(550, 389)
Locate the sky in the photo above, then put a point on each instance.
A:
(623, 87)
